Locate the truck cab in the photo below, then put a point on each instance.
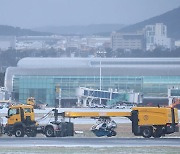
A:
(20, 121)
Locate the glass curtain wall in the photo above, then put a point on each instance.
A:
(43, 88)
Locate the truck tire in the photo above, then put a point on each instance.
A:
(32, 134)
(49, 131)
(9, 133)
(147, 132)
(63, 129)
(19, 132)
(158, 132)
(70, 129)
(113, 133)
(109, 135)
(156, 135)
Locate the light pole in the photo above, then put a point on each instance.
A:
(59, 98)
(100, 74)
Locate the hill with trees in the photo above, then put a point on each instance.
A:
(101, 29)
(17, 31)
(170, 18)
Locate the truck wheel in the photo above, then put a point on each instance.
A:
(158, 132)
(113, 133)
(64, 131)
(49, 132)
(147, 132)
(156, 135)
(70, 129)
(32, 134)
(109, 135)
(9, 134)
(19, 132)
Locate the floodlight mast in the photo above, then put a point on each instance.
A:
(100, 82)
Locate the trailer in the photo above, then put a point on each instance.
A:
(146, 121)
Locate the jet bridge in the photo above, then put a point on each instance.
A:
(87, 95)
(174, 97)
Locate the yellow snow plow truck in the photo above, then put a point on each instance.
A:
(21, 121)
(146, 122)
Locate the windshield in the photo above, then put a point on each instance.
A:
(27, 110)
(13, 112)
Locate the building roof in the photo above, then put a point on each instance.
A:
(95, 62)
(91, 67)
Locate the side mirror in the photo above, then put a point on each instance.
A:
(7, 117)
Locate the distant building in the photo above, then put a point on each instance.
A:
(61, 42)
(37, 42)
(73, 42)
(127, 41)
(3, 94)
(156, 35)
(97, 41)
(177, 44)
(7, 42)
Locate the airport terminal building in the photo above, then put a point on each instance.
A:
(51, 79)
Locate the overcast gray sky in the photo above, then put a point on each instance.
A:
(37, 13)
